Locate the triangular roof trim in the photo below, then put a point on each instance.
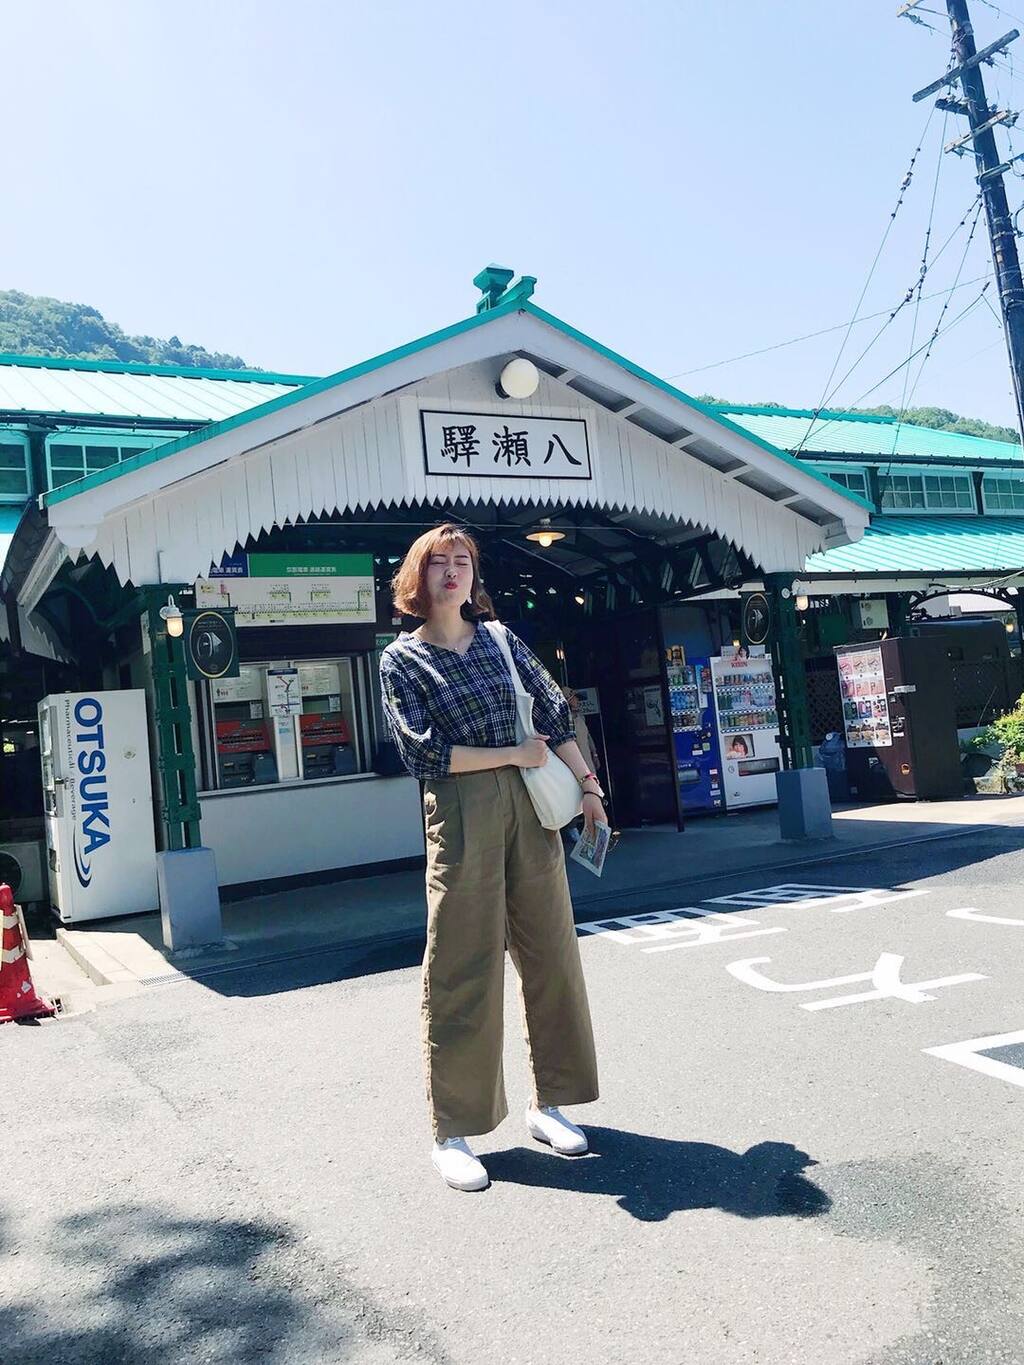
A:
(311, 390)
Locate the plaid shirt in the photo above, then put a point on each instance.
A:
(435, 698)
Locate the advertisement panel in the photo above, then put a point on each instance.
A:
(865, 701)
(292, 589)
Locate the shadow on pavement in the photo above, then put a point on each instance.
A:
(313, 967)
(136, 1285)
(652, 1177)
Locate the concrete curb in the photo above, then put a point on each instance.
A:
(100, 967)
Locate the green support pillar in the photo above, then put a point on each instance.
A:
(791, 680)
(176, 760)
(898, 604)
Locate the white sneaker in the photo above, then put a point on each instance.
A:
(457, 1166)
(552, 1127)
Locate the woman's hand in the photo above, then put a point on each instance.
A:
(593, 813)
(532, 753)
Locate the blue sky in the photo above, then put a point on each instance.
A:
(308, 184)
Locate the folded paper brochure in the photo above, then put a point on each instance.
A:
(591, 853)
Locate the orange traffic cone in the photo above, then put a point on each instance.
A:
(18, 999)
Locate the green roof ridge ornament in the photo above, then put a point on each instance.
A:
(493, 282)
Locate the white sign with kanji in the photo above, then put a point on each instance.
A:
(499, 446)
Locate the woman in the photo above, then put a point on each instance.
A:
(495, 876)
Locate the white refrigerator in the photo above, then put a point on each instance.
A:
(748, 727)
(98, 802)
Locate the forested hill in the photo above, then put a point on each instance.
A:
(30, 325)
(941, 419)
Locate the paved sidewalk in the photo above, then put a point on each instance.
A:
(125, 955)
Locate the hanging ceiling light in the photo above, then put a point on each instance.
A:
(545, 534)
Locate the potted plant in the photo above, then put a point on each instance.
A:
(1008, 733)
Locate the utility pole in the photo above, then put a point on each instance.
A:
(983, 120)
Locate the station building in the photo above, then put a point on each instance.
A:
(615, 513)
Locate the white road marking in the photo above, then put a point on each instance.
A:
(811, 896)
(983, 918)
(677, 925)
(884, 977)
(968, 1054)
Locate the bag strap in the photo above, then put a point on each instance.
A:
(499, 635)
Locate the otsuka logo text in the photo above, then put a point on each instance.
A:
(93, 828)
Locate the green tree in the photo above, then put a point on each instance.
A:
(33, 325)
(940, 419)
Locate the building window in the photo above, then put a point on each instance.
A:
(854, 480)
(1003, 492)
(71, 455)
(15, 484)
(327, 735)
(926, 492)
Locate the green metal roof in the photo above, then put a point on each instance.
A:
(42, 385)
(515, 300)
(930, 544)
(864, 437)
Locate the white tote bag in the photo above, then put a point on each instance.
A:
(555, 793)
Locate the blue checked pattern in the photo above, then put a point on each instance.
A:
(435, 698)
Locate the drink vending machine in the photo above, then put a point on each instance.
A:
(694, 737)
(748, 726)
(900, 720)
(98, 804)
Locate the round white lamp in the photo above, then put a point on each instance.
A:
(172, 617)
(519, 379)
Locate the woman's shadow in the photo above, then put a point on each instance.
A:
(653, 1177)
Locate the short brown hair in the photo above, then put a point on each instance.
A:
(409, 585)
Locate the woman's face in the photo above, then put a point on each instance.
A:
(450, 575)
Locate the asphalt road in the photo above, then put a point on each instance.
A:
(782, 1170)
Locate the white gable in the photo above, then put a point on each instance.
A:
(359, 445)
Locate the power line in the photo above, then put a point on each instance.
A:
(909, 360)
(907, 298)
(998, 9)
(905, 401)
(904, 186)
(924, 269)
(809, 336)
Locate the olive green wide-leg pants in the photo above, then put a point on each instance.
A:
(496, 880)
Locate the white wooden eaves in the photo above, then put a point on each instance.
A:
(152, 522)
